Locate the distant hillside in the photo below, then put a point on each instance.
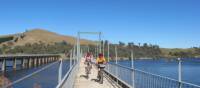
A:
(38, 41)
(179, 52)
(39, 35)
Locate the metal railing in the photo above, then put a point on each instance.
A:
(134, 78)
(69, 78)
(37, 76)
(34, 78)
(27, 55)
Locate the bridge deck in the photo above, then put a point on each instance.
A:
(82, 82)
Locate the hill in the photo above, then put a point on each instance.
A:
(179, 52)
(38, 41)
(37, 36)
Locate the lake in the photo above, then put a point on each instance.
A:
(47, 78)
(169, 68)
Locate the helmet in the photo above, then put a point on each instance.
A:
(88, 54)
(100, 55)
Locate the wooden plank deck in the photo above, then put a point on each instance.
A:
(82, 82)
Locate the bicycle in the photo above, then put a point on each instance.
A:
(88, 68)
(100, 73)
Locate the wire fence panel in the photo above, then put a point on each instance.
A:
(44, 77)
(69, 78)
(141, 79)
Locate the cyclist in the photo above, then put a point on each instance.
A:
(101, 61)
(88, 63)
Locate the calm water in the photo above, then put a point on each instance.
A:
(47, 78)
(190, 68)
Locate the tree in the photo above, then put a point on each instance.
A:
(106, 42)
(145, 45)
(130, 44)
(121, 43)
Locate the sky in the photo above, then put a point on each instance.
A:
(167, 23)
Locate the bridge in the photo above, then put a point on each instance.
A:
(115, 75)
(27, 60)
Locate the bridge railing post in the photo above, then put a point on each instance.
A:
(60, 72)
(103, 48)
(133, 72)
(116, 62)
(71, 58)
(179, 72)
(108, 56)
(100, 42)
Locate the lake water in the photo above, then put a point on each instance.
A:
(163, 67)
(47, 78)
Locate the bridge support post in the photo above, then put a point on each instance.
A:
(56, 58)
(39, 61)
(51, 59)
(23, 63)
(35, 62)
(44, 60)
(14, 63)
(3, 67)
(26, 63)
(30, 62)
(47, 60)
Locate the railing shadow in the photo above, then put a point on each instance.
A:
(84, 76)
(95, 80)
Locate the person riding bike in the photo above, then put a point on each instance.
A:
(88, 63)
(101, 61)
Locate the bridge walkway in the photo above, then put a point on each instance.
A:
(82, 82)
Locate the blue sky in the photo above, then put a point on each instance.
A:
(168, 23)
